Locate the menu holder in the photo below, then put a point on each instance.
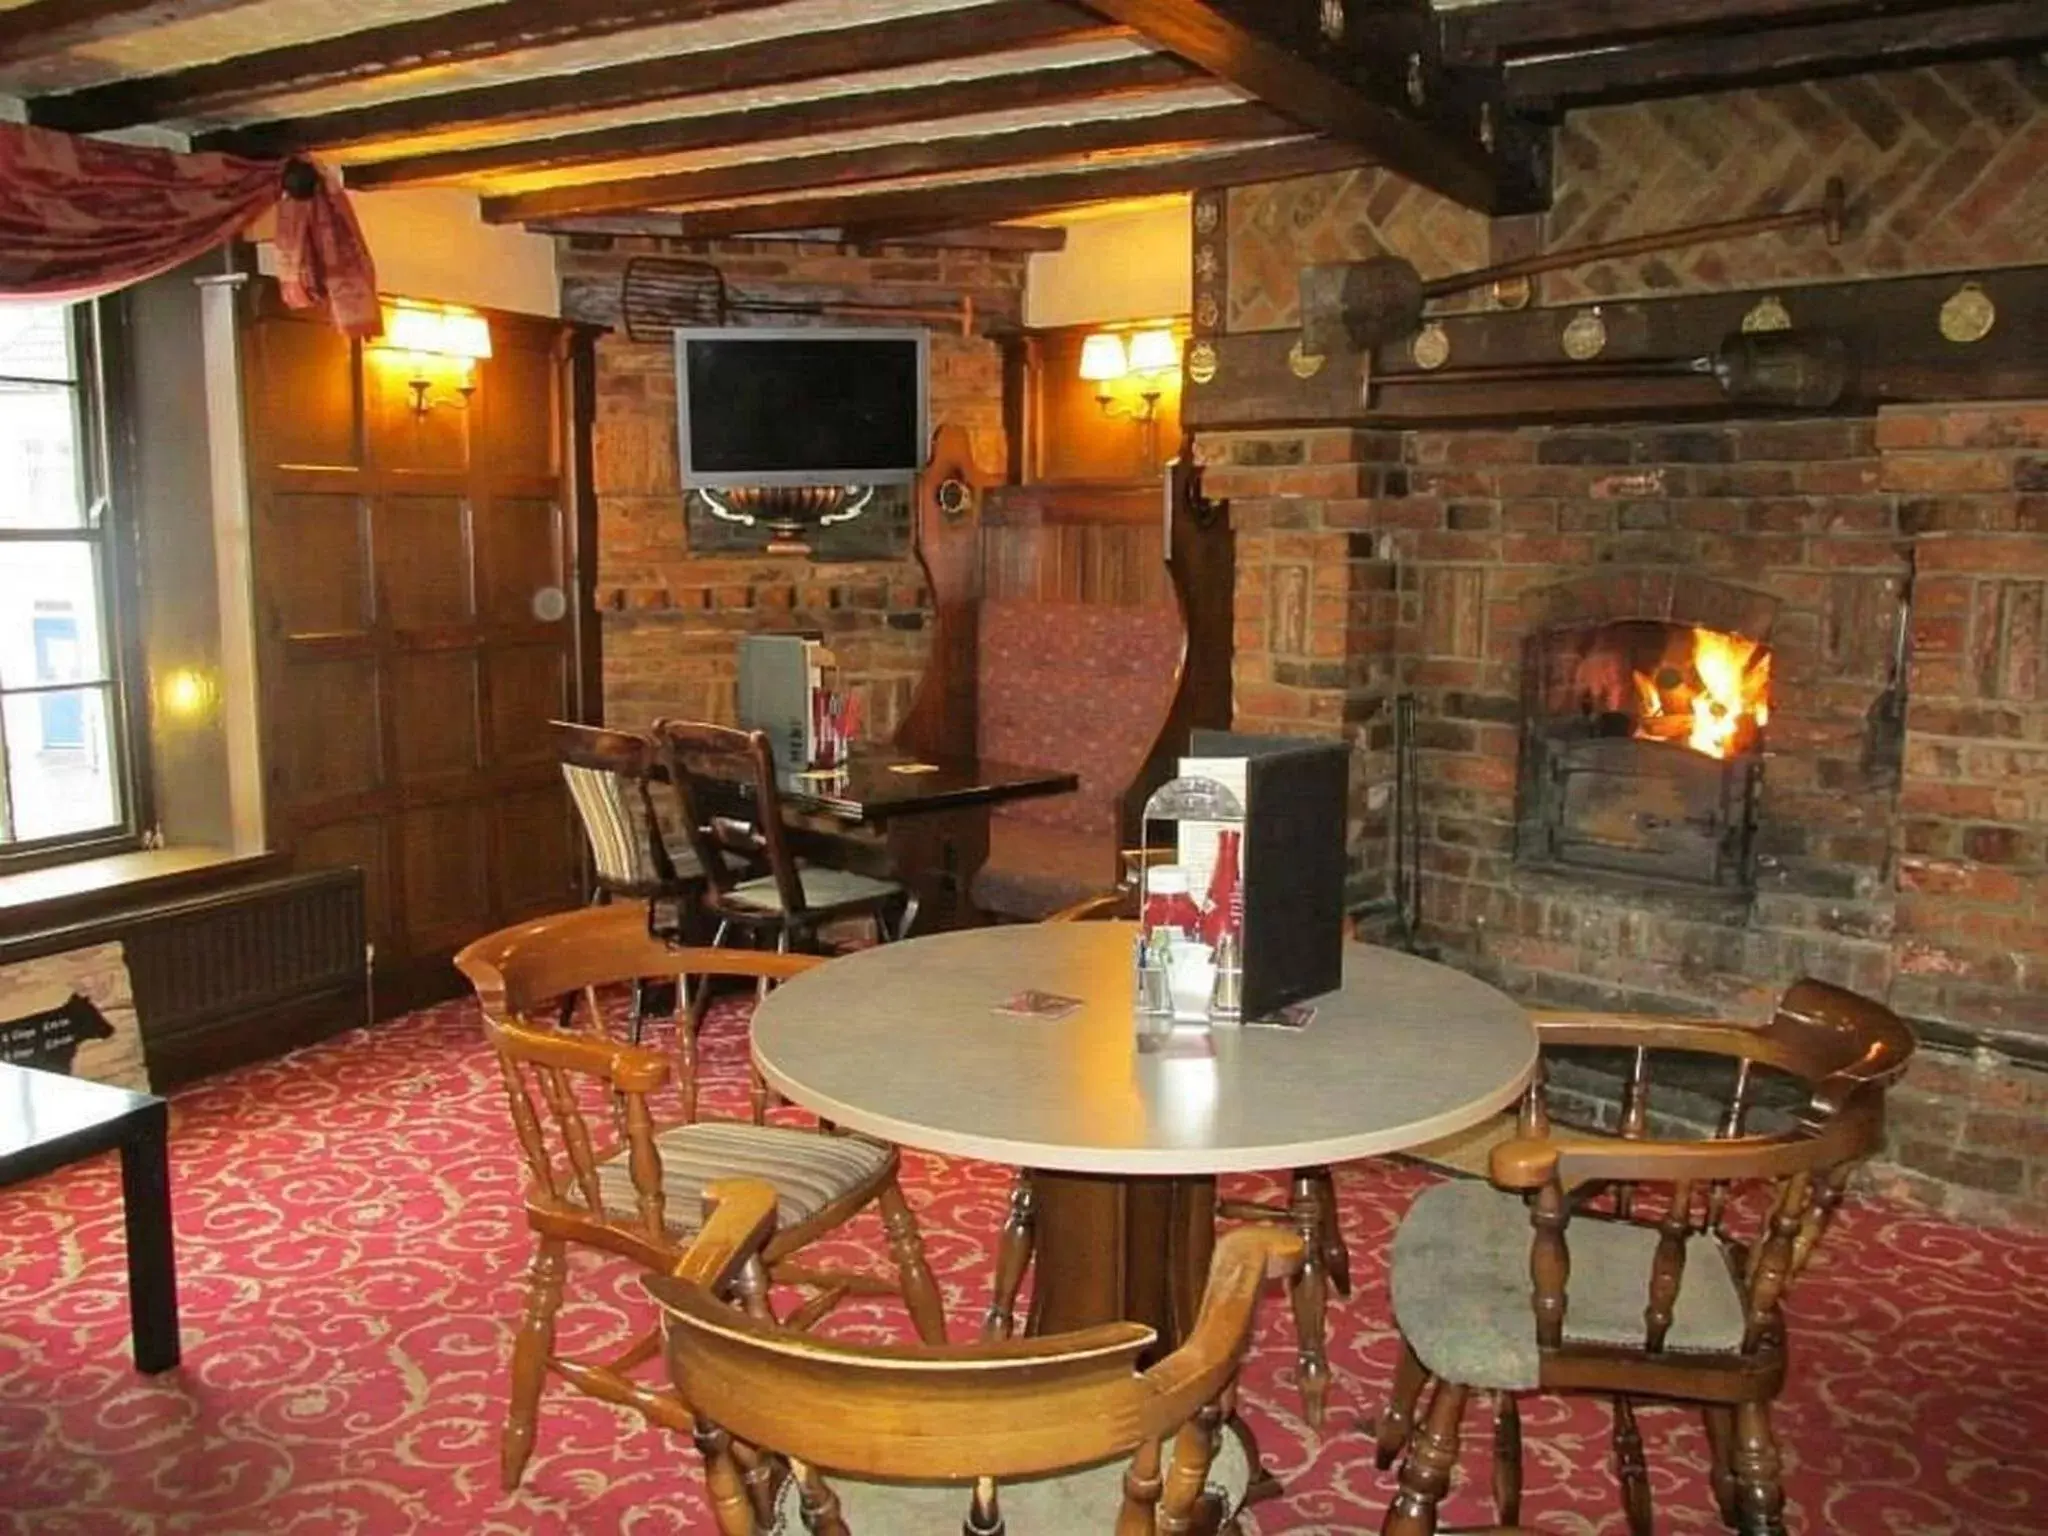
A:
(1295, 794)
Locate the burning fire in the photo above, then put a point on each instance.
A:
(1713, 700)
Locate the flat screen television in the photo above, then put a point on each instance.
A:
(762, 405)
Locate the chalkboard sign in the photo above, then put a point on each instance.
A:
(50, 1039)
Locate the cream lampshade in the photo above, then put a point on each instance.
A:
(1103, 357)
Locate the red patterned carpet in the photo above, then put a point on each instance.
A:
(351, 1256)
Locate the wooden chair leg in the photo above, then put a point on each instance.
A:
(906, 1245)
(1721, 1460)
(817, 1503)
(730, 1506)
(530, 1353)
(1397, 1419)
(1187, 1480)
(1013, 1257)
(1632, 1470)
(1507, 1459)
(1426, 1474)
(1759, 1473)
(688, 1021)
(1309, 1295)
(985, 1512)
(1142, 1487)
(1336, 1257)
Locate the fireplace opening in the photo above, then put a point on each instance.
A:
(1642, 750)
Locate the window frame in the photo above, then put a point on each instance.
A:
(99, 342)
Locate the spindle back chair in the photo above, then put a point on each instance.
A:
(1042, 1415)
(603, 1173)
(1638, 1267)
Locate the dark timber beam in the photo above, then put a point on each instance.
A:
(1484, 34)
(1107, 81)
(1691, 64)
(980, 237)
(897, 44)
(410, 47)
(977, 202)
(49, 27)
(1201, 32)
(1159, 131)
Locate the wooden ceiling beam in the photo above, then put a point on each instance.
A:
(1318, 98)
(1107, 81)
(897, 44)
(1026, 238)
(1020, 197)
(1186, 129)
(373, 53)
(1709, 63)
(47, 27)
(1482, 35)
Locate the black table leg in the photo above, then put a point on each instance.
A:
(152, 1263)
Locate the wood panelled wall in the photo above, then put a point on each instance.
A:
(1066, 434)
(412, 645)
(1079, 543)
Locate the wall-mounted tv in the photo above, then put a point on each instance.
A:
(764, 405)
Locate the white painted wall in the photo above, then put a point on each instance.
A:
(430, 243)
(1135, 265)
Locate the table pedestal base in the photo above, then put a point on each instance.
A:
(1121, 1249)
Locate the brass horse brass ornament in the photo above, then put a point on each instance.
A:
(1968, 315)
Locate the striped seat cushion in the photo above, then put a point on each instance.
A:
(809, 1170)
(615, 820)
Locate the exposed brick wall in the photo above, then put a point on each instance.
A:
(1945, 167)
(672, 619)
(1374, 564)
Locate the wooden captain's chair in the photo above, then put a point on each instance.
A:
(1061, 1434)
(638, 1193)
(1635, 1267)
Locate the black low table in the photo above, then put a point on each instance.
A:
(48, 1121)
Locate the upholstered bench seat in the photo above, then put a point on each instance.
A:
(1461, 1288)
(1034, 870)
(809, 1170)
(1087, 1500)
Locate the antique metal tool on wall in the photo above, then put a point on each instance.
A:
(1784, 370)
(1357, 305)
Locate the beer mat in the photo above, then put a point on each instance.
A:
(913, 767)
(1033, 1004)
(1192, 1044)
(1293, 1016)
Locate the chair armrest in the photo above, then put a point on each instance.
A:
(1526, 1163)
(1196, 1373)
(1644, 1031)
(741, 1221)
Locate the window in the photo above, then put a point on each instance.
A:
(64, 781)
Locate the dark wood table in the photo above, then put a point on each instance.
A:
(49, 1121)
(925, 818)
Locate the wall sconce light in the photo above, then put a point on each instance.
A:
(1150, 356)
(425, 331)
(187, 693)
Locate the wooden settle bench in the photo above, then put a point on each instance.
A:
(1072, 632)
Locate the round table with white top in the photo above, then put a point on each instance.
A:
(906, 1042)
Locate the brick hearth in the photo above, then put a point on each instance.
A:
(1377, 563)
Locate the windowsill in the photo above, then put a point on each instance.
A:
(89, 888)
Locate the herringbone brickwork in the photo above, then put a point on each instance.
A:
(1946, 167)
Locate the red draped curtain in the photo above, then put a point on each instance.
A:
(80, 217)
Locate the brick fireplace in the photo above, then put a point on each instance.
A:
(1897, 821)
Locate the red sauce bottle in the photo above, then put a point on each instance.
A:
(1168, 904)
(1225, 913)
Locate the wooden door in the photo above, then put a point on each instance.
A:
(419, 613)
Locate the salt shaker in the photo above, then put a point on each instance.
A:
(1226, 998)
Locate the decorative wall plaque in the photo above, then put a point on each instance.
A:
(73, 1012)
(1968, 315)
(1201, 362)
(1207, 312)
(1768, 314)
(1304, 365)
(1207, 266)
(1208, 214)
(1431, 347)
(1586, 335)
